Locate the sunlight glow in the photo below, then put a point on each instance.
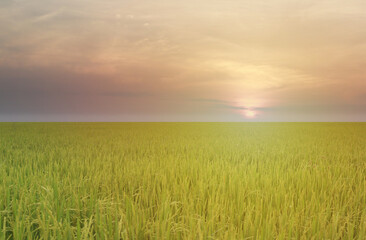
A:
(250, 113)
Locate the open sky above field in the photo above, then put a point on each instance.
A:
(173, 60)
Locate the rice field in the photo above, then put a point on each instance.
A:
(183, 181)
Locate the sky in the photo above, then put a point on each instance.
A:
(173, 60)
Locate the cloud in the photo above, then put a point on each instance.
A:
(210, 100)
(126, 94)
(208, 58)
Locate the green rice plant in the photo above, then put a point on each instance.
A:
(183, 181)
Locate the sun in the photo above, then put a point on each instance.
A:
(250, 113)
(249, 108)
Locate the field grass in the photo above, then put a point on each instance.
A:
(183, 180)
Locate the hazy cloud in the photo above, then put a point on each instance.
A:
(285, 59)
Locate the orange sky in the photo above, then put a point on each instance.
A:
(207, 60)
